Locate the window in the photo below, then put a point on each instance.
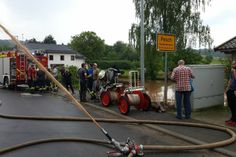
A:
(51, 57)
(72, 57)
(62, 58)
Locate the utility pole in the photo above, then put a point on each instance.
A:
(22, 35)
(166, 81)
(142, 45)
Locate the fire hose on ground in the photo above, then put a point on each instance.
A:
(122, 146)
(129, 148)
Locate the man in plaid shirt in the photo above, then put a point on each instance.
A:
(182, 75)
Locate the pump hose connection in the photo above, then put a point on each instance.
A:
(128, 148)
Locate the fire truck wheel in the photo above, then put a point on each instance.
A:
(105, 98)
(6, 82)
(147, 102)
(123, 105)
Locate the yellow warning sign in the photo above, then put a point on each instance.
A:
(166, 42)
(7, 54)
(3, 55)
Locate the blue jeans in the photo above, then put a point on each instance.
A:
(186, 101)
(231, 98)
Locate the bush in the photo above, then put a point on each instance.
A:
(75, 81)
(73, 70)
(120, 64)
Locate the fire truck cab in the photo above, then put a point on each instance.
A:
(14, 65)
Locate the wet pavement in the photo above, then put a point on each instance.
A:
(18, 131)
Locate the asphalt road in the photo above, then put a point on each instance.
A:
(14, 132)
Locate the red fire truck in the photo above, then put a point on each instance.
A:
(14, 65)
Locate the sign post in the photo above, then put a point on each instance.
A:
(166, 43)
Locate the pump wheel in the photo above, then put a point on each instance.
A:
(146, 102)
(6, 82)
(123, 105)
(105, 98)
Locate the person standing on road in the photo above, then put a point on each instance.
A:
(231, 96)
(182, 75)
(82, 74)
(62, 71)
(96, 71)
(41, 79)
(90, 77)
(31, 75)
(68, 81)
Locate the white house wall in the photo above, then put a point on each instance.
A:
(67, 60)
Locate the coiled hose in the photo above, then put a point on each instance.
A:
(108, 143)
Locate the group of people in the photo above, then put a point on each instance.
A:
(182, 76)
(88, 76)
(36, 78)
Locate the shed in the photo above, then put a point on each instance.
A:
(228, 47)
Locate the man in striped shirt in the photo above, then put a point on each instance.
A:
(182, 75)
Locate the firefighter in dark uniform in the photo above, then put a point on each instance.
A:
(41, 79)
(82, 74)
(67, 80)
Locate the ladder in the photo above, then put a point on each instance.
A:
(22, 66)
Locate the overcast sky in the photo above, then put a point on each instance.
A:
(221, 17)
(109, 19)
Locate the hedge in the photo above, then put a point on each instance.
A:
(120, 64)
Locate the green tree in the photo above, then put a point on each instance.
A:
(125, 51)
(109, 53)
(208, 59)
(33, 40)
(88, 44)
(188, 55)
(49, 40)
(130, 54)
(152, 61)
(119, 48)
(179, 17)
(4, 48)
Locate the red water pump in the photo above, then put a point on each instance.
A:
(134, 96)
(113, 92)
(110, 91)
